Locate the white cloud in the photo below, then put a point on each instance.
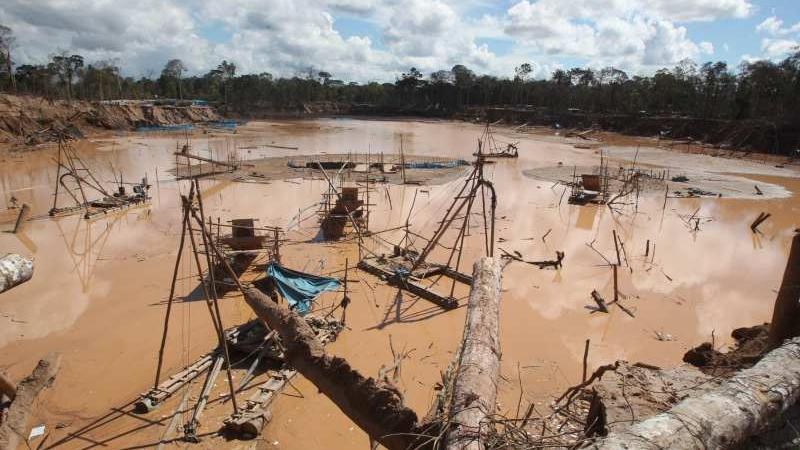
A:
(778, 48)
(782, 41)
(287, 37)
(706, 47)
(634, 42)
(774, 26)
(700, 10)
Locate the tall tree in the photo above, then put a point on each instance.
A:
(174, 69)
(522, 72)
(7, 40)
(226, 72)
(66, 67)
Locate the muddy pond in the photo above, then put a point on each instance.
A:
(99, 289)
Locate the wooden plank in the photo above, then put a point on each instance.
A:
(406, 283)
(152, 399)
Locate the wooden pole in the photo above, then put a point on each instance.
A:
(207, 243)
(786, 313)
(171, 297)
(616, 296)
(585, 357)
(23, 214)
(474, 391)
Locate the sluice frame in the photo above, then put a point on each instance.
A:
(406, 268)
(70, 166)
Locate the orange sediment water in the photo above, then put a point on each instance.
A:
(99, 287)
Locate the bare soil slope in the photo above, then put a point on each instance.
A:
(26, 119)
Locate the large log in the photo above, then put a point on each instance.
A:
(725, 416)
(14, 270)
(474, 390)
(15, 426)
(786, 313)
(376, 407)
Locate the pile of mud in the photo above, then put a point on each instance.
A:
(751, 345)
(33, 120)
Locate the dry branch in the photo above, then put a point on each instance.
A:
(759, 220)
(601, 303)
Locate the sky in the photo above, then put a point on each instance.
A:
(377, 40)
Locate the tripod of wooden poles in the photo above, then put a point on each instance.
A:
(193, 222)
(466, 197)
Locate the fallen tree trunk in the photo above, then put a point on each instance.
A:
(474, 391)
(376, 407)
(15, 426)
(724, 416)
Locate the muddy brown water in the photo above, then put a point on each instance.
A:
(99, 287)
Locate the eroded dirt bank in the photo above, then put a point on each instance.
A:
(27, 120)
(99, 287)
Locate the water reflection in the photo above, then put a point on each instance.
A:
(689, 284)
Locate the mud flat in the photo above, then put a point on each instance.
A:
(420, 170)
(99, 289)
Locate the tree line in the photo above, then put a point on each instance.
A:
(758, 89)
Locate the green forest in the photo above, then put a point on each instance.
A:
(763, 90)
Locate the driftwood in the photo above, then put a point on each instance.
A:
(724, 416)
(15, 424)
(24, 212)
(540, 264)
(785, 314)
(761, 218)
(375, 406)
(601, 303)
(475, 382)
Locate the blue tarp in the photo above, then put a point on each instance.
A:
(436, 165)
(297, 288)
(178, 127)
(229, 124)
